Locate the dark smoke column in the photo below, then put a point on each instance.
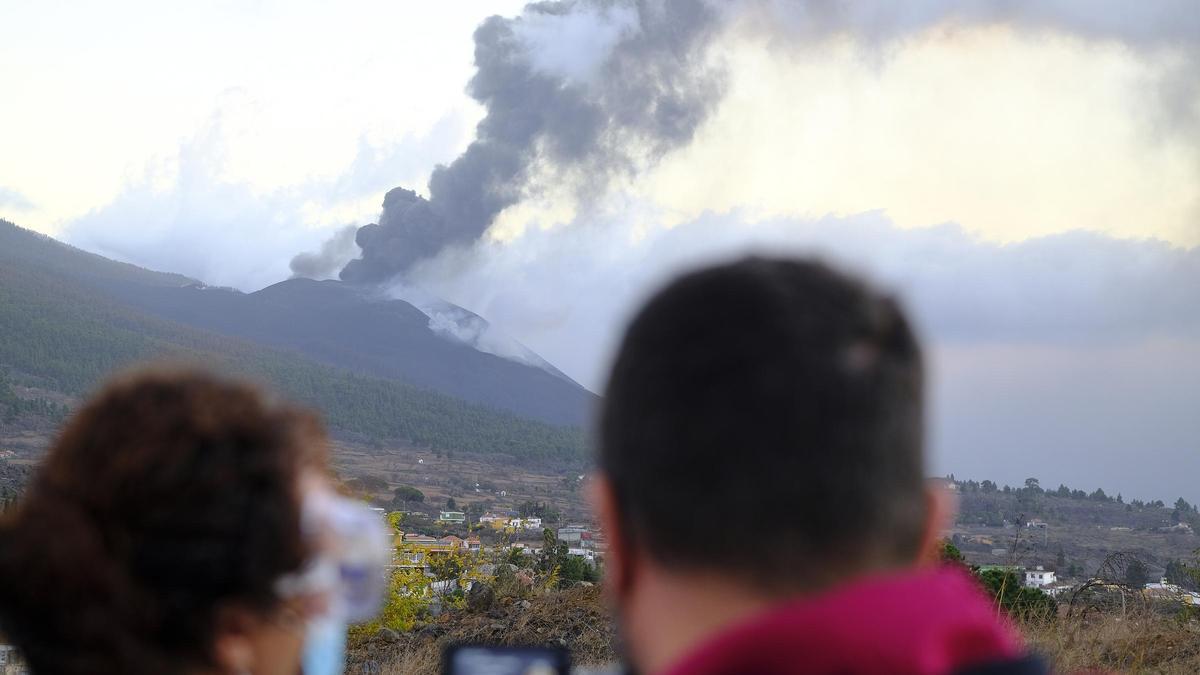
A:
(644, 94)
(407, 231)
(589, 89)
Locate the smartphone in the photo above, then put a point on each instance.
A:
(496, 660)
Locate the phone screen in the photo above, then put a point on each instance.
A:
(481, 660)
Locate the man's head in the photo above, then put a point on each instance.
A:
(763, 423)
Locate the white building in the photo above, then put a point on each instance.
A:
(572, 534)
(525, 523)
(1039, 577)
(584, 553)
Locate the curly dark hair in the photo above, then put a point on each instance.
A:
(170, 495)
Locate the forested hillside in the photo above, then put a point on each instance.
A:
(62, 332)
(986, 503)
(359, 329)
(14, 407)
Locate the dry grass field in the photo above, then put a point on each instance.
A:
(1143, 641)
(1140, 642)
(503, 483)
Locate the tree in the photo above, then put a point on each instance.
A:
(476, 509)
(542, 510)
(394, 519)
(987, 486)
(1182, 505)
(1182, 575)
(451, 505)
(1060, 561)
(1032, 485)
(517, 558)
(405, 601)
(1098, 495)
(950, 553)
(1063, 491)
(447, 568)
(573, 568)
(1025, 603)
(1136, 574)
(407, 494)
(552, 552)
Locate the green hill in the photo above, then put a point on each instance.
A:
(62, 328)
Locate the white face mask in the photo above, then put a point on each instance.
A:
(324, 646)
(348, 570)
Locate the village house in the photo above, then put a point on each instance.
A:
(415, 550)
(496, 521)
(1166, 591)
(586, 554)
(452, 517)
(573, 534)
(456, 543)
(532, 523)
(430, 545)
(1039, 577)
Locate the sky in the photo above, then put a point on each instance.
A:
(1028, 183)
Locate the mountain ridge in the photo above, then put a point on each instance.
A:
(332, 322)
(64, 329)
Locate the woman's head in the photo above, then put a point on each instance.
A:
(153, 535)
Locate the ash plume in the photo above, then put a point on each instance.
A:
(590, 84)
(592, 89)
(325, 263)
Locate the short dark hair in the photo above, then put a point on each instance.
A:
(765, 417)
(169, 495)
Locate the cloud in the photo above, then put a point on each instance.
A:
(184, 215)
(565, 290)
(1061, 357)
(11, 199)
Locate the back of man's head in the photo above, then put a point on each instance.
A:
(764, 418)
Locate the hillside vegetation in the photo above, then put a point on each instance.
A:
(1071, 531)
(60, 332)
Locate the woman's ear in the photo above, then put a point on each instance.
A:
(233, 641)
